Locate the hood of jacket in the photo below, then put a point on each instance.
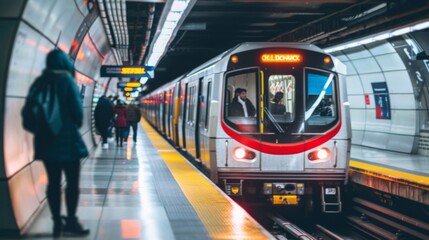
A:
(58, 60)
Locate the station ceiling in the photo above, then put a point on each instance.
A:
(213, 26)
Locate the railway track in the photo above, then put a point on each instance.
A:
(378, 222)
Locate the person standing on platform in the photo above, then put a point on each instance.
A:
(121, 122)
(103, 116)
(61, 151)
(133, 117)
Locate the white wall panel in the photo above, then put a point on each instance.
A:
(357, 101)
(37, 12)
(404, 122)
(88, 60)
(398, 82)
(366, 65)
(357, 53)
(23, 196)
(20, 68)
(99, 37)
(375, 139)
(40, 179)
(350, 68)
(367, 79)
(390, 62)
(400, 143)
(341, 57)
(357, 137)
(358, 117)
(380, 48)
(354, 85)
(376, 125)
(402, 101)
(18, 144)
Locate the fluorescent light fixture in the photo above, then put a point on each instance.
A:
(179, 6)
(380, 36)
(172, 17)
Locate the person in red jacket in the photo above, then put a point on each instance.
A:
(121, 122)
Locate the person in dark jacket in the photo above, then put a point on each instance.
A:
(62, 152)
(241, 105)
(275, 106)
(103, 115)
(133, 117)
(121, 122)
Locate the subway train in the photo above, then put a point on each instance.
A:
(264, 121)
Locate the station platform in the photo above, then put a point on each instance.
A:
(399, 174)
(147, 190)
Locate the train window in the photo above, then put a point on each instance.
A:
(240, 112)
(191, 104)
(321, 103)
(281, 102)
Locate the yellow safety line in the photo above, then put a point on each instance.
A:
(391, 174)
(223, 219)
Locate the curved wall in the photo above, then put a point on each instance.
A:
(29, 30)
(386, 109)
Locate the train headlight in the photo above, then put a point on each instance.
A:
(319, 154)
(241, 153)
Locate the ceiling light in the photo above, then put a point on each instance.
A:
(380, 36)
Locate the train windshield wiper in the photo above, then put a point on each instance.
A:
(273, 120)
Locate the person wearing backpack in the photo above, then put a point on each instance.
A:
(133, 117)
(103, 116)
(121, 122)
(57, 142)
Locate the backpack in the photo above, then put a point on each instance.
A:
(41, 113)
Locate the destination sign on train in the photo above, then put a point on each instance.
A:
(281, 58)
(127, 71)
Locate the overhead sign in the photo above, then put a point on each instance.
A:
(129, 84)
(127, 71)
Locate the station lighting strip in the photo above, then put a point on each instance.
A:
(116, 12)
(173, 15)
(381, 36)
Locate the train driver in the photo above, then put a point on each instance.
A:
(241, 106)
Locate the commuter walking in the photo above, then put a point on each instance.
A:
(133, 118)
(121, 122)
(103, 116)
(61, 150)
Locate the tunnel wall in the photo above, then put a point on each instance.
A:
(29, 30)
(383, 65)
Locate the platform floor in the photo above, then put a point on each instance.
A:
(146, 190)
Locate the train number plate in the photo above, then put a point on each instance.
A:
(330, 191)
(285, 200)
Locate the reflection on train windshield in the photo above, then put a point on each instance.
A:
(281, 104)
(321, 104)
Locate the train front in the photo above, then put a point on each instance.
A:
(286, 118)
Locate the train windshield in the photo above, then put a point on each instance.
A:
(275, 104)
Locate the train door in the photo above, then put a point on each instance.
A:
(282, 117)
(175, 114)
(204, 138)
(164, 112)
(191, 119)
(182, 116)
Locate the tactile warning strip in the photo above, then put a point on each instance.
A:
(223, 218)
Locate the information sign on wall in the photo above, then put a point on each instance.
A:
(381, 100)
